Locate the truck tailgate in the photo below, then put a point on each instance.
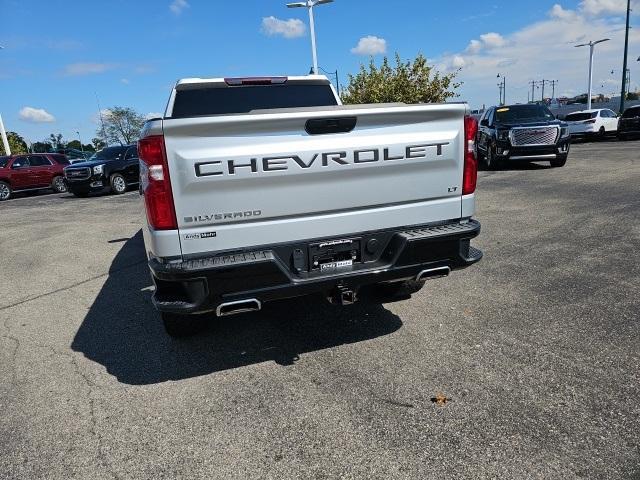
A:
(280, 176)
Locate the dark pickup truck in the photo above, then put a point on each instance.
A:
(112, 169)
(527, 132)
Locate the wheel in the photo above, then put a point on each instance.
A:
(118, 184)
(58, 185)
(80, 194)
(396, 289)
(558, 162)
(179, 326)
(5, 191)
(490, 160)
(601, 133)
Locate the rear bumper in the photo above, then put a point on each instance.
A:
(271, 273)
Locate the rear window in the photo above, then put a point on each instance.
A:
(577, 117)
(631, 112)
(203, 101)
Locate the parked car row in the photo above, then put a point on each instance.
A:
(33, 171)
(112, 169)
(530, 132)
(602, 122)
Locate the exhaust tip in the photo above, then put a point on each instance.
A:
(433, 273)
(239, 306)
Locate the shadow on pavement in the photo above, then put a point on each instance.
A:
(123, 332)
(514, 166)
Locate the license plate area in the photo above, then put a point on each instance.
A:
(334, 254)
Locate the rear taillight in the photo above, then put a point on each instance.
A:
(590, 121)
(155, 183)
(470, 174)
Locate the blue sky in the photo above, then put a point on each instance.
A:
(59, 54)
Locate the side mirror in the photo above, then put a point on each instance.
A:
(484, 122)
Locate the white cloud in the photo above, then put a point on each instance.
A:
(291, 28)
(125, 81)
(177, 6)
(558, 12)
(370, 45)
(36, 115)
(474, 46)
(493, 40)
(87, 68)
(605, 7)
(544, 49)
(458, 61)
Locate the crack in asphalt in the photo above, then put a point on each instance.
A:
(69, 287)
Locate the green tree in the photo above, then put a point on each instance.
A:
(121, 124)
(409, 82)
(74, 144)
(41, 147)
(16, 144)
(98, 143)
(56, 141)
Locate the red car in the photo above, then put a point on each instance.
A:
(32, 171)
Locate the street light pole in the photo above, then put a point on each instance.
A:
(624, 61)
(80, 140)
(591, 46)
(309, 4)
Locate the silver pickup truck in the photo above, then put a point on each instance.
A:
(258, 189)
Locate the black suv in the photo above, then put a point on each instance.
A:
(629, 123)
(526, 132)
(112, 168)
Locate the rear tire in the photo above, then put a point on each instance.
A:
(58, 185)
(118, 184)
(602, 133)
(180, 326)
(5, 191)
(490, 159)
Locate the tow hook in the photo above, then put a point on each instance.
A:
(342, 296)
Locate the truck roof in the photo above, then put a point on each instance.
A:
(185, 83)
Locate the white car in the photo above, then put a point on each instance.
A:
(592, 123)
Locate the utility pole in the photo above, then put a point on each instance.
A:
(503, 89)
(553, 88)
(624, 62)
(533, 89)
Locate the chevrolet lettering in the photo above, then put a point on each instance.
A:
(279, 163)
(306, 196)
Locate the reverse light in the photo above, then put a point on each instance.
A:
(470, 172)
(155, 183)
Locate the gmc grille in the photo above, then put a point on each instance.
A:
(77, 173)
(534, 136)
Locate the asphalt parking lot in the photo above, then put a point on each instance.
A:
(535, 348)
